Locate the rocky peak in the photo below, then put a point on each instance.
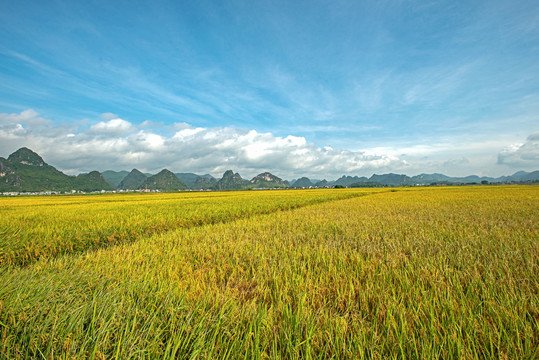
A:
(26, 156)
(229, 181)
(133, 180)
(267, 179)
(266, 176)
(165, 180)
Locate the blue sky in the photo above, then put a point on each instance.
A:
(316, 88)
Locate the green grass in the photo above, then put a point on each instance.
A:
(422, 273)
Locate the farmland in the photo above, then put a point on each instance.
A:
(346, 273)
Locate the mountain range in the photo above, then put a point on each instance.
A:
(26, 171)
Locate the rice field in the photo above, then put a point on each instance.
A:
(35, 227)
(426, 273)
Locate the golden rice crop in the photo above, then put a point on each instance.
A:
(35, 227)
(413, 273)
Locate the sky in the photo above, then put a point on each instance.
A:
(297, 88)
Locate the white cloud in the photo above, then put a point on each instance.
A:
(181, 126)
(114, 127)
(29, 116)
(186, 133)
(108, 116)
(12, 131)
(117, 144)
(149, 124)
(521, 154)
(120, 145)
